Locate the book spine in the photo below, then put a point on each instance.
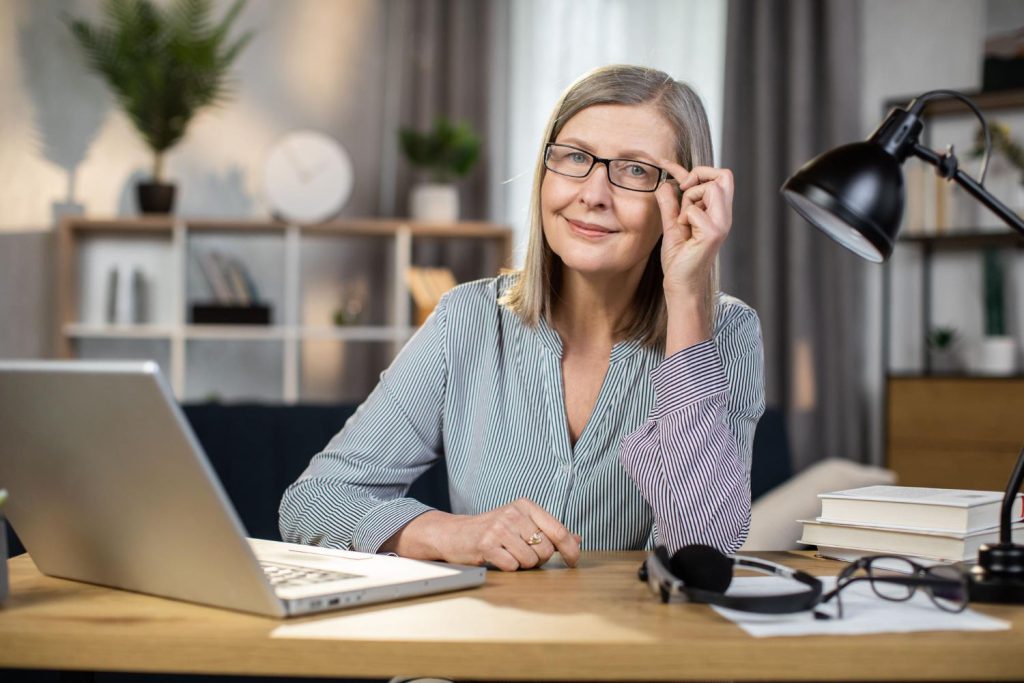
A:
(237, 281)
(215, 277)
(894, 541)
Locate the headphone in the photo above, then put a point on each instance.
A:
(700, 573)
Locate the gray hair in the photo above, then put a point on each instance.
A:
(531, 294)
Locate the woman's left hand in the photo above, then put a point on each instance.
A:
(694, 227)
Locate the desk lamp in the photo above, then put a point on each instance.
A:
(855, 194)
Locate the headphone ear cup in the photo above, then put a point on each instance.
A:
(701, 566)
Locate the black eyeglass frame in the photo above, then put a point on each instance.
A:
(923, 577)
(663, 175)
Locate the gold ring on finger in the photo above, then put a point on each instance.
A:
(536, 539)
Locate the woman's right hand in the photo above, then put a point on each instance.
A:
(498, 538)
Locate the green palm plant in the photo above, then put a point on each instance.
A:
(163, 65)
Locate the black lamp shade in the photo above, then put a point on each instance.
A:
(853, 193)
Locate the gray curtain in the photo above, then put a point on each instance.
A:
(791, 93)
(442, 51)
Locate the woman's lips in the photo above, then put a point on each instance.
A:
(589, 229)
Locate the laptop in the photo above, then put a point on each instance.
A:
(107, 484)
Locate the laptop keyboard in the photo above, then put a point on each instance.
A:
(291, 575)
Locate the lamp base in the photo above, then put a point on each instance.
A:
(999, 574)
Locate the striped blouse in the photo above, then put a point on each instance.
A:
(664, 457)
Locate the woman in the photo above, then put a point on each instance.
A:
(606, 395)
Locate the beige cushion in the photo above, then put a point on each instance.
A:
(773, 524)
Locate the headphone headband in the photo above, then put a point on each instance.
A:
(701, 574)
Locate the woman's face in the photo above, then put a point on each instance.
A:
(597, 228)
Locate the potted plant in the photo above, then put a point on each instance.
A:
(942, 342)
(163, 65)
(998, 350)
(443, 154)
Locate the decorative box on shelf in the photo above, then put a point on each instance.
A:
(230, 314)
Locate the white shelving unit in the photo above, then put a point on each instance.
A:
(302, 272)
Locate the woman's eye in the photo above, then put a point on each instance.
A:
(578, 158)
(637, 171)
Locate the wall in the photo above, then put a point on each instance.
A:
(312, 63)
(322, 63)
(66, 146)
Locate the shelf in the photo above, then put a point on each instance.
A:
(952, 375)
(967, 240)
(123, 226)
(304, 272)
(269, 332)
(986, 101)
(357, 333)
(468, 229)
(369, 333)
(104, 331)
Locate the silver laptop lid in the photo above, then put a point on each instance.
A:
(108, 485)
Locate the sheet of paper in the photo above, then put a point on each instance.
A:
(863, 612)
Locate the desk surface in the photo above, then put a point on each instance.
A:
(595, 622)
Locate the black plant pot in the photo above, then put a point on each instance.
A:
(155, 197)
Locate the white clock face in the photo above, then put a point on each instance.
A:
(307, 177)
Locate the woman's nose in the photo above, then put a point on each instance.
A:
(597, 189)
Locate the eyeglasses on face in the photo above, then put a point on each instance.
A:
(629, 174)
(897, 578)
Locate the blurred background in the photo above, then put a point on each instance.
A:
(782, 81)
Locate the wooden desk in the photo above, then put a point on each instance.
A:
(596, 622)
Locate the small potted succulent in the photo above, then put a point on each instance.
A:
(164, 64)
(443, 154)
(942, 350)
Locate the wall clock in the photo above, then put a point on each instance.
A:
(307, 177)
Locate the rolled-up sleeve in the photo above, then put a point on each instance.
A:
(352, 494)
(691, 457)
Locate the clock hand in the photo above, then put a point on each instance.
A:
(296, 164)
(317, 168)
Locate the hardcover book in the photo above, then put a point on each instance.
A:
(955, 510)
(936, 545)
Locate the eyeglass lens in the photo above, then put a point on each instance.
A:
(951, 594)
(944, 584)
(626, 173)
(897, 568)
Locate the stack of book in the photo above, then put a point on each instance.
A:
(925, 524)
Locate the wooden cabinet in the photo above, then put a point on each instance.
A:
(955, 432)
(305, 274)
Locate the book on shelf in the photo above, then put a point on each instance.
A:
(913, 507)
(427, 286)
(229, 280)
(936, 545)
(215, 277)
(232, 270)
(916, 177)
